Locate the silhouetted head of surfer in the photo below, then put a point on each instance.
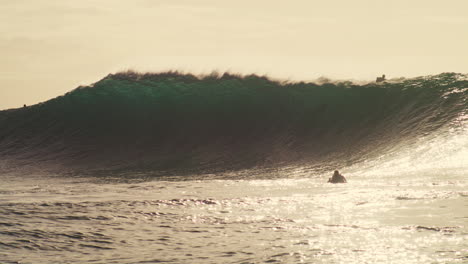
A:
(337, 178)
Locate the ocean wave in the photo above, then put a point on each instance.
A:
(172, 123)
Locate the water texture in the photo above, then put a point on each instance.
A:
(173, 124)
(176, 168)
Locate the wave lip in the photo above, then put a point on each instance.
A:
(181, 123)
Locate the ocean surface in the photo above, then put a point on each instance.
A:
(176, 168)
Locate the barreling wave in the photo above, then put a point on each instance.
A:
(171, 123)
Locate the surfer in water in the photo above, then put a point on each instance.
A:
(337, 178)
(380, 79)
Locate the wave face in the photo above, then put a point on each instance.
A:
(171, 123)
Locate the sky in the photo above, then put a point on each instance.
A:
(49, 47)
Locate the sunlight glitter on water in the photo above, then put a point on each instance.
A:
(256, 221)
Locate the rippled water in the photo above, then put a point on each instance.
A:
(392, 219)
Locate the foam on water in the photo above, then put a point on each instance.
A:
(243, 221)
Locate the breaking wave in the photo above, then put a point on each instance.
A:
(172, 123)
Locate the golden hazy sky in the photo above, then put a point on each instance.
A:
(48, 47)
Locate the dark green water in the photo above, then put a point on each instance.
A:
(172, 123)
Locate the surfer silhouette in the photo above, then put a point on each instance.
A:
(380, 79)
(337, 178)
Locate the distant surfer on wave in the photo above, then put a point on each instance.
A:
(337, 178)
(380, 79)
